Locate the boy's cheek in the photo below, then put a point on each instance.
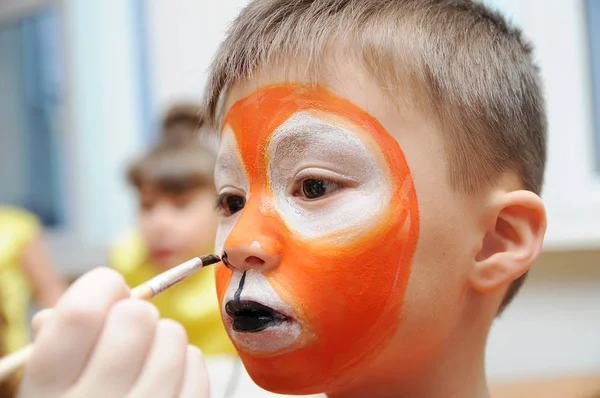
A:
(352, 283)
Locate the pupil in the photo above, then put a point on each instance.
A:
(313, 188)
(235, 203)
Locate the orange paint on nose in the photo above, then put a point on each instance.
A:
(257, 225)
(347, 292)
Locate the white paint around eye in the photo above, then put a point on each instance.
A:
(305, 141)
(229, 168)
(229, 176)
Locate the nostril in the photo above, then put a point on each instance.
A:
(254, 261)
(225, 260)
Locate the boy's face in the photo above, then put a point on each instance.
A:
(320, 230)
(176, 226)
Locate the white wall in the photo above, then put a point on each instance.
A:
(184, 34)
(553, 326)
(105, 113)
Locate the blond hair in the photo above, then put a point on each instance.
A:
(476, 71)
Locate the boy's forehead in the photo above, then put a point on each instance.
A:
(350, 83)
(336, 81)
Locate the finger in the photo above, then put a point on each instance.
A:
(195, 378)
(65, 343)
(39, 320)
(164, 369)
(121, 351)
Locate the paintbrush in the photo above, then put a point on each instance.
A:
(10, 363)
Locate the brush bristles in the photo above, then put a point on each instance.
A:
(209, 259)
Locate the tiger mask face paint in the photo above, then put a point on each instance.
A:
(319, 229)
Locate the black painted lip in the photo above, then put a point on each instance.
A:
(252, 317)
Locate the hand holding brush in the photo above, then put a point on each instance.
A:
(102, 340)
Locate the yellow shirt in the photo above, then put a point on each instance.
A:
(17, 229)
(193, 302)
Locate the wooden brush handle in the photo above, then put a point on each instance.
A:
(10, 363)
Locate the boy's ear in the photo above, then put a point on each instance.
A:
(512, 242)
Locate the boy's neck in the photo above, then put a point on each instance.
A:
(456, 369)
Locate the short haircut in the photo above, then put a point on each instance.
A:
(473, 69)
(179, 161)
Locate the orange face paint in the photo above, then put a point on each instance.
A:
(342, 261)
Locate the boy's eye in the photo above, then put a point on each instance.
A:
(314, 188)
(233, 204)
(230, 204)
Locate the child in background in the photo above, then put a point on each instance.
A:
(177, 221)
(26, 272)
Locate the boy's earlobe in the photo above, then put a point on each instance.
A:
(513, 241)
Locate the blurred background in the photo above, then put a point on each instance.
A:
(84, 84)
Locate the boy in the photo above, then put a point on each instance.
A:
(379, 172)
(177, 221)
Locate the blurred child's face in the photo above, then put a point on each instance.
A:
(320, 230)
(177, 226)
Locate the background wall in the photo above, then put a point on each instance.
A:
(552, 327)
(183, 35)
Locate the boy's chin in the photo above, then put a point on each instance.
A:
(303, 371)
(277, 377)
